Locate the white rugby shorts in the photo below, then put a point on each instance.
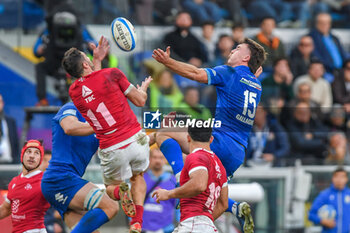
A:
(42, 230)
(196, 224)
(121, 164)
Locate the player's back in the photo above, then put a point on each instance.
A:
(101, 99)
(204, 203)
(238, 94)
(70, 153)
(28, 204)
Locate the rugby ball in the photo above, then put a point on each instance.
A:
(123, 33)
(326, 212)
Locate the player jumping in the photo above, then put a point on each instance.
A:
(102, 98)
(238, 95)
(203, 192)
(25, 201)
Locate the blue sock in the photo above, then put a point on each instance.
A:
(173, 153)
(231, 202)
(91, 221)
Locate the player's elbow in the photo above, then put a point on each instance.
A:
(200, 76)
(140, 103)
(68, 130)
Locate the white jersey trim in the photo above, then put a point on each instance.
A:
(198, 149)
(31, 174)
(128, 89)
(197, 168)
(41, 230)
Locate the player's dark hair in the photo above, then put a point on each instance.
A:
(198, 132)
(257, 54)
(47, 152)
(339, 169)
(72, 62)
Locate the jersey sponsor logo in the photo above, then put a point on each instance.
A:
(15, 206)
(60, 198)
(250, 83)
(86, 91)
(18, 217)
(28, 187)
(218, 171)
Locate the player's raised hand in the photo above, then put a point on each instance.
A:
(161, 195)
(145, 84)
(101, 51)
(258, 72)
(162, 56)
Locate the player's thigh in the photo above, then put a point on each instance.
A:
(115, 165)
(72, 218)
(179, 135)
(138, 153)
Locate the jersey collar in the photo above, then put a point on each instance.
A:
(31, 174)
(198, 149)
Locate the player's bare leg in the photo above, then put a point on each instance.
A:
(98, 206)
(121, 192)
(138, 191)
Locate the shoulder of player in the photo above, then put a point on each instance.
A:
(199, 154)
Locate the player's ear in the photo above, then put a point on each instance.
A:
(246, 58)
(85, 65)
(211, 139)
(188, 138)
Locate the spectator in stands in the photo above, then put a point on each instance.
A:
(338, 151)
(272, 44)
(275, 9)
(340, 6)
(337, 121)
(223, 50)
(64, 30)
(191, 105)
(327, 46)
(335, 197)
(208, 39)
(237, 34)
(308, 137)
(321, 91)
(184, 45)
(9, 148)
(202, 10)
(341, 87)
(298, 12)
(164, 93)
(268, 141)
(303, 95)
(279, 84)
(301, 56)
(158, 217)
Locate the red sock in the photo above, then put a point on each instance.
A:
(139, 215)
(116, 193)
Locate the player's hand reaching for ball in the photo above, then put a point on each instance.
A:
(145, 84)
(101, 51)
(161, 195)
(162, 56)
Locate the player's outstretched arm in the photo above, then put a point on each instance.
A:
(221, 204)
(100, 52)
(5, 209)
(186, 70)
(197, 184)
(73, 127)
(138, 96)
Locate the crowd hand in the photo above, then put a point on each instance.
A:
(101, 51)
(41, 49)
(162, 56)
(329, 223)
(268, 157)
(145, 84)
(161, 195)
